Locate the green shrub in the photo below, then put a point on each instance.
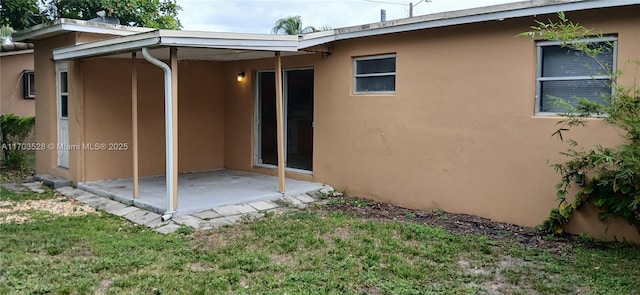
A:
(610, 175)
(15, 131)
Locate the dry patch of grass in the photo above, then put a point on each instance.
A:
(22, 211)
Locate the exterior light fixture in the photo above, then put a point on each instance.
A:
(240, 76)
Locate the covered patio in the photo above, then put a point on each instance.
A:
(200, 191)
(179, 190)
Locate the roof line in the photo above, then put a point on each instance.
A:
(466, 16)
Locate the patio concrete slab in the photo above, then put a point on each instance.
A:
(201, 191)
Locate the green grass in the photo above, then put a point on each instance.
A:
(310, 252)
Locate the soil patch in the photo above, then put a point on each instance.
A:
(460, 223)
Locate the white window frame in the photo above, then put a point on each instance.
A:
(374, 57)
(539, 78)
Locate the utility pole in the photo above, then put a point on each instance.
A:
(411, 6)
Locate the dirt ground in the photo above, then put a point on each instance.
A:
(463, 224)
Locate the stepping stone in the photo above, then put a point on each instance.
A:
(124, 211)
(262, 205)
(234, 218)
(153, 223)
(207, 215)
(169, 228)
(189, 220)
(141, 216)
(242, 208)
(305, 198)
(35, 186)
(291, 200)
(115, 207)
(215, 223)
(15, 188)
(227, 210)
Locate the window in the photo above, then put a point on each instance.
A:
(28, 84)
(375, 74)
(566, 74)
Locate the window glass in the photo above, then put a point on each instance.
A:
(63, 82)
(64, 109)
(567, 74)
(370, 84)
(371, 66)
(375, 74)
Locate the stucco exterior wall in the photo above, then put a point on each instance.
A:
(460, 132)
(11, 88)
(107, 113)
(46, 116)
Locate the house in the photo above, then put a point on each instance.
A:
(443, 111)
(17, 88)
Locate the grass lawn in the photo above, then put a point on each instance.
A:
(317, 251)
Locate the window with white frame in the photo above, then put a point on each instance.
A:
(375, 74)
(565, 74)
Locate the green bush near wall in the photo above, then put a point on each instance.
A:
(14, 131)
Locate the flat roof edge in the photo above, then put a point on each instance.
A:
(466, 16)
(64, 25)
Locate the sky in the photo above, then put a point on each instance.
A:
(259, 16)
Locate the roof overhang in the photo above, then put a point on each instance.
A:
(467, 16)
(64, 25)
(227, 42)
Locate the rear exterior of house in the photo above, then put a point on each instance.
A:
(443, 116)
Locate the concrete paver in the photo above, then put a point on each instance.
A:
(169, 228)
(263, 205)
(205, 215)
(215, 223)
(291, 200)
(115, 208)
(141, 216)
(305, 198)
(124, 211)
(227, 210)
(189, 220)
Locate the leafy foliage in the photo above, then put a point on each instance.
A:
(20, 14)
(162, 14)
(292, 25)
(16, 129)
(611, 175)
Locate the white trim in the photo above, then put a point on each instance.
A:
(64, 25)
(17, 52)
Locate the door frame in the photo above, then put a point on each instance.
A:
(257, 149)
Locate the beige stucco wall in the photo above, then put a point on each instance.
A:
(107, 113)
(11, 88)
